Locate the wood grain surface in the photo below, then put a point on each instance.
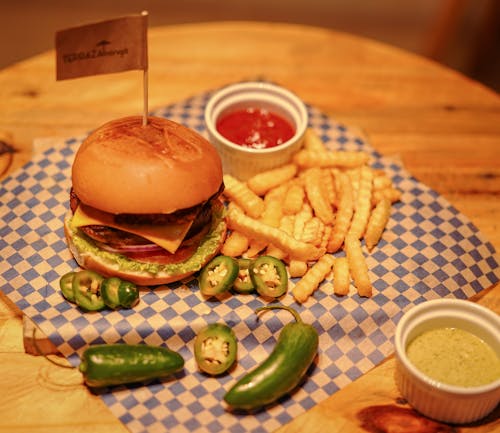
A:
(443, 127)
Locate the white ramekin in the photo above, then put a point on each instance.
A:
(440, 401)
(243, 162)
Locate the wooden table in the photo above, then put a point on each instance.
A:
(444, 128)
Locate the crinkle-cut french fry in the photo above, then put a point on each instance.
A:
(294, 199)
(355, 177)
(335, 183)
(263, 182)
(233, 205)
(300, 179)
(257, 230)
(357, 265)
(311, 280)
(335, 158)
(313, 142)
(327, 187)
(307, 210)
(381, 181)
(328, 183)
(343, 215)
(287, 224)
(325, 237)
(377, 222)
(235, 244)
(392, 194)
(255, 247)
(271, 250)
(277, 193)
(341, 277)
(363, 203)
(273, 211)
(316, 195)
(272, 215)
(320, 234)
(238, 192)
(311, 231)
(297, 268)
(300, 220)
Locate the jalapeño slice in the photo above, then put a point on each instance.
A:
(66, 285)
(269, 276)
(87, 290)
(109, 292)
(118, 293)
(218, 275)
(128, 294)
(215, 348)
(243, 283)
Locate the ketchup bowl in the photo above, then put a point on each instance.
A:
(255, 126)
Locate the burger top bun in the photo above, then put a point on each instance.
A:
(125, 167)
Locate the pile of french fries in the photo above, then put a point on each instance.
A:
(323, 201)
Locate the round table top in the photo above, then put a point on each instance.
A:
(442, 126)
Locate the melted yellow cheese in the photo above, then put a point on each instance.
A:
(168, 236)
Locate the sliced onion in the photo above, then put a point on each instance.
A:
(151, 253)
(123, 249)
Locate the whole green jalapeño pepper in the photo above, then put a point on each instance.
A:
(117, 364)
(215, 348)
(87, 290)
(282, 371)
(269, 276)
(218, 275)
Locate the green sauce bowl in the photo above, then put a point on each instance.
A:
(433, 398)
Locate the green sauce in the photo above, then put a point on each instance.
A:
(455, 357)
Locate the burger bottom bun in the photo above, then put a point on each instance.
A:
(89, 260)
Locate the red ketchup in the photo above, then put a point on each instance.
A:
(255, 128)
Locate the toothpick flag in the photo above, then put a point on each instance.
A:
(109, 46)
(100, 48)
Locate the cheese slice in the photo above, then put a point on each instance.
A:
(168, 236)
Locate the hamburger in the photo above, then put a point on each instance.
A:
(144, 201)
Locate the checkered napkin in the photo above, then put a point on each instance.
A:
(428, 251)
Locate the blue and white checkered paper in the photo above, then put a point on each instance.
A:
(428, 251)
